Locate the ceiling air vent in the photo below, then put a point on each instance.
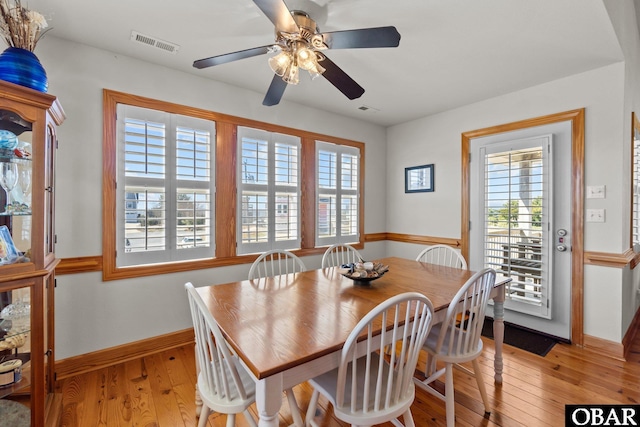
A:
(154, 42)
(367, 108)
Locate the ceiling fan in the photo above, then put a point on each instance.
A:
(299, 44)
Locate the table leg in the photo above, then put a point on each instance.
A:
(498, 333)
(268, 400)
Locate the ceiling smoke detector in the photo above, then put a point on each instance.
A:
(154, 42)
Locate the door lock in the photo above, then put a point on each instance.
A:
(561, 240)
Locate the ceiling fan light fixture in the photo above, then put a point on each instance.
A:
(306, 58)
(280, 63)
(294, 56)
(316, 71)
(291, 75)
(314, 75)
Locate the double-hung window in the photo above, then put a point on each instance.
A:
(268, 191)
(337, 194)
(165, 187)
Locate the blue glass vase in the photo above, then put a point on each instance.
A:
(22, 67)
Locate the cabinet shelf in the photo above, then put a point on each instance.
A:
(10, 156)
(26, 213)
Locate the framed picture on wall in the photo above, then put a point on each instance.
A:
(419, 179)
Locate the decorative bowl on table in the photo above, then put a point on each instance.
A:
(364, 272)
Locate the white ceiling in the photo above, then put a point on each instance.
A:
(452, 52)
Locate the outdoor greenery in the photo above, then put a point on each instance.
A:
(508, 214)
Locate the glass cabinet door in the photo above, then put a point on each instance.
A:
(15, 196)
(15, 341)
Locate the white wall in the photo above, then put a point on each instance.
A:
(437, 139)
(91, 314)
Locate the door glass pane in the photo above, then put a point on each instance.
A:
(514, 221)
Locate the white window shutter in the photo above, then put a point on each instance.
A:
(165, 188)
(268, 191)
(337, 194)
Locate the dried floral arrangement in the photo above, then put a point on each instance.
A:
(19, 26)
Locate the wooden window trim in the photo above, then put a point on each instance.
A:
(225, 170)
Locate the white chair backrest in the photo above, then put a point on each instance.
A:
(442, 255)
(216, 361)
(372, 385)
(461, 330)
(336, 255)
(274, 263)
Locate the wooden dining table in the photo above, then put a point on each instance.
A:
(290, 328)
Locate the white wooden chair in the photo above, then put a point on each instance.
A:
(368, 388)
(274, 263)
(336, 255)
(270, 264)
(442, 255)
(456, 341)
(224, 385)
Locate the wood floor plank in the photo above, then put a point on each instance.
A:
(73, 393)
(96, 399)
(164, 397)
(182, 382)
(143, 409)
(118, 397)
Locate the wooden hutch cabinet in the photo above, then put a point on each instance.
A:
(27, 258)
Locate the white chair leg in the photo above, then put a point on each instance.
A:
(204, 415)
(294, 408)
(250, 419)
(407, 417)
(231, 420)
(483, 391)
(430, 367)
(311, 410)
(449, 396)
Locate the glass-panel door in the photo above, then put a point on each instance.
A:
(520, 224)
(516, 209)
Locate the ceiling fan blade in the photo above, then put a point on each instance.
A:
(229, 57)
(341, 80)
(362, 38)
(275, 92)
(278, 13)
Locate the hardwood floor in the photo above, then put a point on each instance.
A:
(158, 391)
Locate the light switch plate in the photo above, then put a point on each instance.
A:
(596, 192)
(595, 215)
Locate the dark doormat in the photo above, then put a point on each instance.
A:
(530, 341)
